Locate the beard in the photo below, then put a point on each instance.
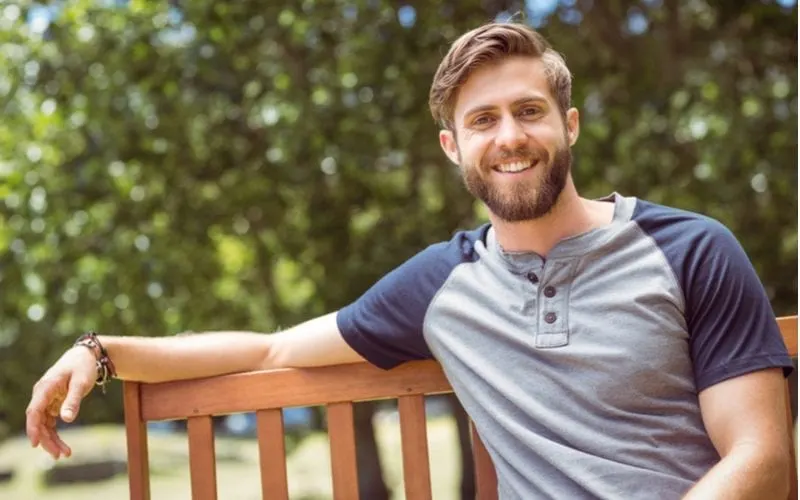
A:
(523, 200)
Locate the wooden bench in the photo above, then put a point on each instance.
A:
(336, 387)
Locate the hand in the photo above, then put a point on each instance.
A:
(58, 394)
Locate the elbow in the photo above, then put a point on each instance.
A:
(769, 467)
(781, 464)
(788, 475)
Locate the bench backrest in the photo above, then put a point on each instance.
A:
(336, 387)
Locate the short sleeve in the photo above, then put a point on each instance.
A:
(732, 327)
(385, 325)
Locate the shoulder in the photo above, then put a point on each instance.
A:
(688, 239)
(385, 324)
(682, 226)
(459, 249)
(425, 272)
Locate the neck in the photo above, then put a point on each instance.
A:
(570, 216)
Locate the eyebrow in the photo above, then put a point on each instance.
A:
(516, 103)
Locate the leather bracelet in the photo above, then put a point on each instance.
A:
(105, 367)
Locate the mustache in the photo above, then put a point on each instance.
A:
(522, 153)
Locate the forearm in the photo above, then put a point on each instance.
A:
(185, 356)
(316, 342)
(747, 473)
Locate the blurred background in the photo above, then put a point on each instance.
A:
(172, 166)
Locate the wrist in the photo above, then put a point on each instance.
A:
(105, 367)
(83, 353)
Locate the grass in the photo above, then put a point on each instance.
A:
(237, 465)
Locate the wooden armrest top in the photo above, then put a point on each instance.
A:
(246, 392)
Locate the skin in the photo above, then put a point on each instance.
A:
(520, 120)
(505, 112)
(746, 420)
(59, 392)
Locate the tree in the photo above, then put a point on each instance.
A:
(247, 165)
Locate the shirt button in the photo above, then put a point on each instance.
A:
(550, 317)
(549, 292)
(533, 278)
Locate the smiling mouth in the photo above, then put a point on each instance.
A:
(515, 167)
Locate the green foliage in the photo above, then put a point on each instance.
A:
(249, 165)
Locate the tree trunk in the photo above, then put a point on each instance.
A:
(370, 475)
(465, 445)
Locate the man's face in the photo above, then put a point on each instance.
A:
(510, 140)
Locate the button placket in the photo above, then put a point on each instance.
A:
(553, 328)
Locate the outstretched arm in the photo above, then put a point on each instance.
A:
(316, 342)
(59, 392)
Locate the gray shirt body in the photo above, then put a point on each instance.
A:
(581, 372)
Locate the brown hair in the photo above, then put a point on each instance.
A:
(489, 44)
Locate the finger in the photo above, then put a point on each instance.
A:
(33, 428)
(35, 422)
(44, 392)
(52, 433)
(48, 443)
(61, 446)
(77, 389)
(46, 435)
(65, 449)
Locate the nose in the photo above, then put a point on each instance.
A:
(510, 134)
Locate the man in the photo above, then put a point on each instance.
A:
(604, 348)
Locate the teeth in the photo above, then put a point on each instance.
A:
(514, 167)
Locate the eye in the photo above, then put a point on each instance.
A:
(482, 121)
(529, 111)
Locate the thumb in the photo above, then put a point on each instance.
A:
(72, 403)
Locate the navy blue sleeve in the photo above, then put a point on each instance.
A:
(385, 324)
(731, 325)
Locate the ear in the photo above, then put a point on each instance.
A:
(447, 140)
(573, 125)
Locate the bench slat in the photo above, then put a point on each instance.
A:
(788, 326)
(414, 438)
(485, 475)
(248, 392)
(202, 465)
(272, 455)
(341, 433)
(136, 434)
